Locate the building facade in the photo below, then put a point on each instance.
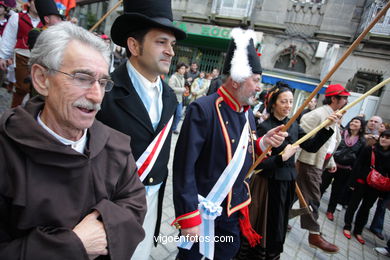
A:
(299, 41)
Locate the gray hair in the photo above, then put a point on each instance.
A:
(51, 44)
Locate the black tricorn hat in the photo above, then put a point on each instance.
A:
(45, 8)
(242, 59)
(139, 14)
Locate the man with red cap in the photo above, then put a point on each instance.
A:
(311, 165)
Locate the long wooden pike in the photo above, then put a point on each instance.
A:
(322, 83)
(105, 16)
(342, 111)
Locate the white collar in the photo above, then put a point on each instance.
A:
(145, 82)
(78, 145)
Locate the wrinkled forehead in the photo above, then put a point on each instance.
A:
(375, 119)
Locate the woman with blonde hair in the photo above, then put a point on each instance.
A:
(200, 86)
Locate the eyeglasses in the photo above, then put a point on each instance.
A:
(86, 81)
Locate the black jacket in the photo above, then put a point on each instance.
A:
(362, 166)
(214, 85)
(273, 166)
(347, 155)
(123, 110)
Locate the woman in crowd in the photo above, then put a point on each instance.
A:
(200, 86)
(176, 82)
(347, 152)
(279, 171)
(362, 192)
(377, 222)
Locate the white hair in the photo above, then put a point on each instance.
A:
(51, 44)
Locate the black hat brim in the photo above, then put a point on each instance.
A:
(129, 22)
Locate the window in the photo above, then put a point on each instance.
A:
(363, 82)
(233, 8)
(309, 1)
(290, 60)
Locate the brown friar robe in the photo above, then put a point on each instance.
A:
(47, 188)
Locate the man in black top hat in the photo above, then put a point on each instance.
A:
(48, 12)
(49, 15)
(141, 105)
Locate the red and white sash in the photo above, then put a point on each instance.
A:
(146, 161)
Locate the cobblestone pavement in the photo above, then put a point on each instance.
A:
(5, 100)
(296, 245)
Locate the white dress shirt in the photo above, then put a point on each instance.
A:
(78, 145)
(7, 45)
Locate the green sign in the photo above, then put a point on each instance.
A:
(204, 29)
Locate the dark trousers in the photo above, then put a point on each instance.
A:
(177, 116)
(368, 196)
(280, 197)
(22, 72)
(388, 246)
(224, 226)
(309, 181)
(379, 217)
(339, 193)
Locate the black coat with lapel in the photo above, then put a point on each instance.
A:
(123, 110)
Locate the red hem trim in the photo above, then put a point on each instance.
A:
(361, 181)
(179, 222)
(258, 148)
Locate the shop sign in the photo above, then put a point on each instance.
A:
(204, 29)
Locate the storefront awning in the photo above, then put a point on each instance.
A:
(297, 82)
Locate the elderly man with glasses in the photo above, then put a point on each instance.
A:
(68, 183)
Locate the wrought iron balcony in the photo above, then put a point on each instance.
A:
(383, 25)
(228, 11)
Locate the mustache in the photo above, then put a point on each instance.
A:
(84, 103)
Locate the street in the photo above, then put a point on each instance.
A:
(296, 245)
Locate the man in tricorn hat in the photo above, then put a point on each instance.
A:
(141, 105)
(215, 149)
(311, 165)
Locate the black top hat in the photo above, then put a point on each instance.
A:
(45, 8)
(241, 58)
(141, 14)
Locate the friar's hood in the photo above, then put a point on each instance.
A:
(20, 125)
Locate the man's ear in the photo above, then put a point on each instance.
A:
(39, 79)
(235, 84)
(134, 46)
(47, 19)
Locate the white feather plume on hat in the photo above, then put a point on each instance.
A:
(240, 68)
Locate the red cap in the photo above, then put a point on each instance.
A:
(336, 90)
(104, 37)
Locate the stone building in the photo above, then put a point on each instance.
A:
(299, 42)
